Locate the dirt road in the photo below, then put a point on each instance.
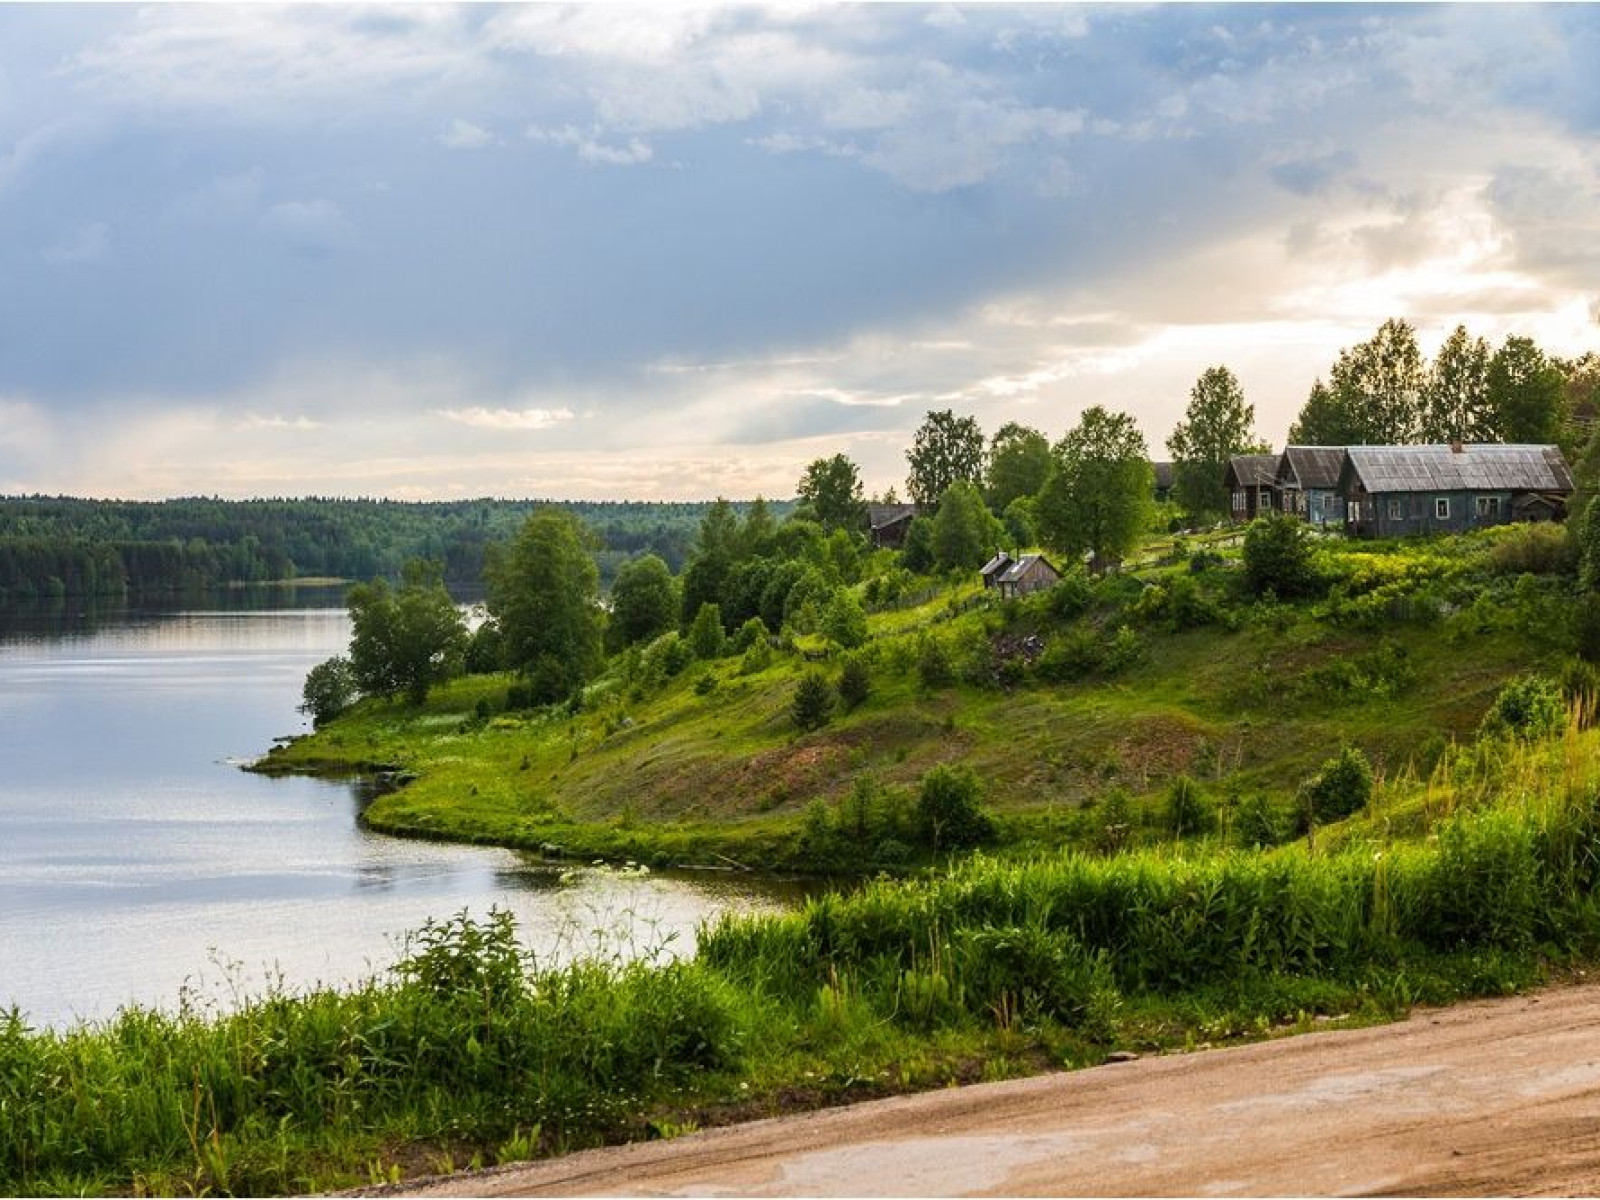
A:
(1497, 1098)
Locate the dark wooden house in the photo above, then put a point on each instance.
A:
(887, 524)
(1394, 491)
(1163, 477)
(1307, 480)
(1019, 575)
(1252, 485)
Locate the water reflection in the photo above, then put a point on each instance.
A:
(133, 851)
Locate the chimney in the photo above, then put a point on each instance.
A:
(1457, 448)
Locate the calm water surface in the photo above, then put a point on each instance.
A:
(138, 862)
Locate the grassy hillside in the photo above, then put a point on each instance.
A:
(1057, 701)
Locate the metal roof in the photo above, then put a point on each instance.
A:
(1313, 466)
(1254, 470)
(879, 515)
(1482, 468)
(995, 563)
(1020, 568)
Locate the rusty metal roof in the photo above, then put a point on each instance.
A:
(1472, 468)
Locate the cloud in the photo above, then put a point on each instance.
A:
(299, 424)
(464, 135)
(81, 245)
(507, 418)
(630, 153)
(314, 226)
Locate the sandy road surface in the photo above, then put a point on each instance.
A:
(1497, 1098)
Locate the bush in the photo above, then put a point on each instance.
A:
(1533, 549)
(1528, 709)
(844, 620)
(752, 631)
(757, 658)
(1070, 597)
(665, 657)
(1115, 820)
(812, 707)
(1341, 787)
(330, 688)
(934, 667)
(1256, 822)
(1277, 558)
(705, 683)
(949, 815)
(1586, 626)
(486, 650)
(1580, 687)
(1189, 813)
(706, 638)
(855, 682)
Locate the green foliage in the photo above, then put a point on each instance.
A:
(1019, 462)
(934, 668)
(330, 688)
(705, 637)
(1114, 825)
(946, 449)
(1217, 425)
(1018, 520)
(543, 591)
(1188, 812)
(830, 490)
(1081, 652)
(1098, 495)
(1070, 597)
(405, 639)
(814, 697)
(1343, 785)
(855, 682)
(752, 631)
(1177, 602)
(1533, 549)
(1376, 387)
(1527, 709)
(486, 650)
(965, 533)
(644, 600)
(664, 658)
(843, 620)
(1455, 401)
(1526, 392)
(949, 812)
(1277, 558)
(1256, 822)
(1589, 549)
(917, 554)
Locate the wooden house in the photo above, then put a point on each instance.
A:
(1162, 471)
(1307, 480)
(1252, 485)
(1019, 575)
(1393, 491)
(887, 524)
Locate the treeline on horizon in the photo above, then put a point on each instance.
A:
(54, 547)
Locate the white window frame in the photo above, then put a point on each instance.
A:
(1397, 510)
(1488, 506)
(1441, 508)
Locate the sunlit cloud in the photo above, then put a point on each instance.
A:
(506, 418)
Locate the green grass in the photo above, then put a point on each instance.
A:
(1252, 700)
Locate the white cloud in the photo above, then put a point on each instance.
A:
(507, 418)
(464, 135)
(273, 421)
(80, 245)
(630, 153)
(314, 225)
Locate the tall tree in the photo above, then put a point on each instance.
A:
(544, 590)
(1217, 425)
(405, 639)
(1526, 391)
(719, 546)
(1019, 461)
(1455, 396)
(759, 528)
(965, 533)
(831, 488)
(947, 449)
(644, 600)
(1379, 383)
(1323, 421)
(1098, 496)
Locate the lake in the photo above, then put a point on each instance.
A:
(139, 864)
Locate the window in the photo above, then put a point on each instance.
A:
(1489, 508)
(1396, 510)
(1238, 502)
(1441, 507)
(1352, 510)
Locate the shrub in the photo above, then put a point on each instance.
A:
(1277, 558)
(1256, 822)
(949, 815)
(752, 631)
(1586, 625)
(705, 683)
(486, 650)
(1189, 813)
(1527, 709)
(844, 620)
(330, 688)
(757, 658)
(934, 667)
(812, 707)
(665, 657)
(1342, 786)
(1115, 820)
(855, 682)
(1070, 597)
(706, 638)
(1580, 687)
(1533, 549)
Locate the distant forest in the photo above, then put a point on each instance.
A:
(55, 547)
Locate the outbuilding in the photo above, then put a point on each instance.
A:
(1307, 480)
(1252, 485)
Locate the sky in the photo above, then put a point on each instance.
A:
(672, 253)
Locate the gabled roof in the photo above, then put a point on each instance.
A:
(999, 562)
(1309, 467)
(879, 515)
(1019, 568)
(1253, 470)
(1482, 468)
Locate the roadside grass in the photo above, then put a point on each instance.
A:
(470, 1054)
